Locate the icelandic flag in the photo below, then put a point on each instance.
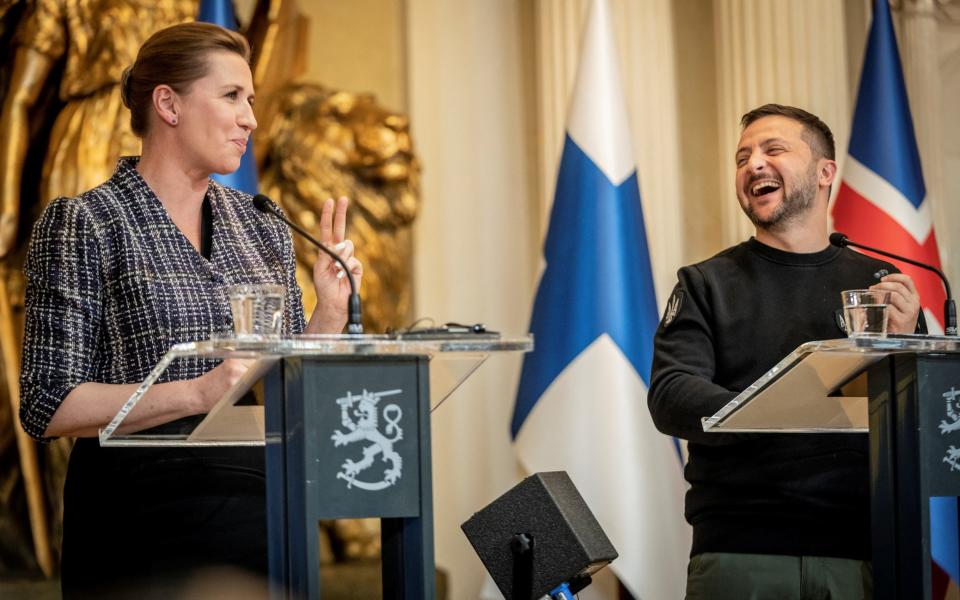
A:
(581, 404)
(882, 199)
(220, 12)
(882, 202)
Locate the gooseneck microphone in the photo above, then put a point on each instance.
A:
(949, 308)
(354, 324)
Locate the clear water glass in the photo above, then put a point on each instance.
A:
(865, 311)
(257, 309)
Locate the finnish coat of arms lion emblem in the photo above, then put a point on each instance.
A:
(360, 416)
(952, 401)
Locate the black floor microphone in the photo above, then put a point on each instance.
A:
(354, 324)
(949, 308)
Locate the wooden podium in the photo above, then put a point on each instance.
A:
(912, 413)
(345, 422)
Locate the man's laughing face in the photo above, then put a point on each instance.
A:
(776, 172)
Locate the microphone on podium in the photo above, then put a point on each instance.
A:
(354, 324)
(949, 308)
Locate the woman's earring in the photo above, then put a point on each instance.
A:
(173, 121)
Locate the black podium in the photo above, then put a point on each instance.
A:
(912, 413)
(345, 422)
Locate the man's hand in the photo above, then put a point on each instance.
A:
(904, 302)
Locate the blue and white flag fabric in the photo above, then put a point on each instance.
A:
(220, 12)
(581, 404)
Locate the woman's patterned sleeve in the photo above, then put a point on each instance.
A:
(296, 319)
(62, 312)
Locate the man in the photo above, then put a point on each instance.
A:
(773, 515)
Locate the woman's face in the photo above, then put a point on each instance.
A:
(217, 115)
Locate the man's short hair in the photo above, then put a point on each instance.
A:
(815, 132)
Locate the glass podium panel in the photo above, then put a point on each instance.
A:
(237, 419)
(808, 391)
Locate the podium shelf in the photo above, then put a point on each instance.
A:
(237, 419)
(802, 392)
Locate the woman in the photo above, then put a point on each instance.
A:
(119, 274)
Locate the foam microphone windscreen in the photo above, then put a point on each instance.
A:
(568, 542)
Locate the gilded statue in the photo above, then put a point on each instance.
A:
(95, 40)
(322, 143)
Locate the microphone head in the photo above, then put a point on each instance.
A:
(262, 203)
(838, 239)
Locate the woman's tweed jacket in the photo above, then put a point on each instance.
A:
(112, 284)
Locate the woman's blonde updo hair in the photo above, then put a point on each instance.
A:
(175, 56)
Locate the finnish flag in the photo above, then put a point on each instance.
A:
(581, 404)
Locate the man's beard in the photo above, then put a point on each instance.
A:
(795, 203)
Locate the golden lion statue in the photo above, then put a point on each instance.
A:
(319, 144)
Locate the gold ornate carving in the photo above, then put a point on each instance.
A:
(94, 40)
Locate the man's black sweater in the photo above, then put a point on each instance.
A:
(730, 319)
